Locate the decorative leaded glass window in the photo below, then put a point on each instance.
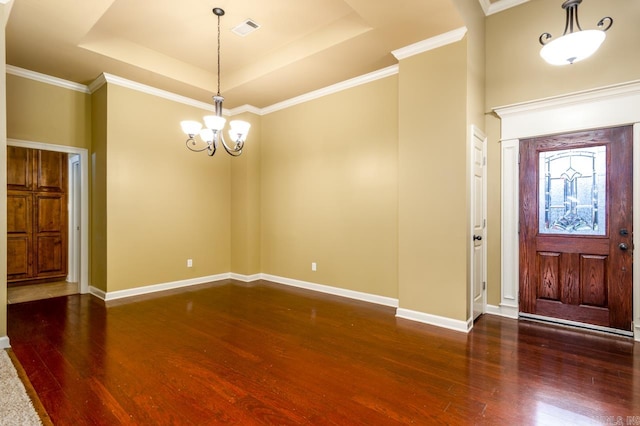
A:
(573, 191)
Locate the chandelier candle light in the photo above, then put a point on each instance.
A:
(573, 46)
(212, 133)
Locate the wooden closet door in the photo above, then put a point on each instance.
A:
(50, 172)
(19, 169)
(50, 214)
(19, 235)
(49, 234)
(37, 218)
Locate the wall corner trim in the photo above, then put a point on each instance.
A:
(4, 342)
(499, 6)
(245, 278)
(503, 311)
(245, 108)
(438, 321)
(100, 294)
(430, 43)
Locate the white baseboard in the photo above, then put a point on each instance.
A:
(451, 324)
(336, 291)
(138, 291)
(457, 325)
(97, 292)
(636, 333)
(4, 342)
(503, 311)
(245, 278)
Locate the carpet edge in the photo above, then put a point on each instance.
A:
(31, 392)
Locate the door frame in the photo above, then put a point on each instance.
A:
(474, 134)
(83, 250)
(597, 108)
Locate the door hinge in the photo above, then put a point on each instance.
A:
(484, 285)
(484, 223)
(484, 161)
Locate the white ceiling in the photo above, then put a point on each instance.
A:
(302, 45)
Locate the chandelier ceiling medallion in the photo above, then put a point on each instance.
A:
(573, 46)
(207, 138)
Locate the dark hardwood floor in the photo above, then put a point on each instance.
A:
(263, 353)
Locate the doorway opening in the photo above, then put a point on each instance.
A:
(77, 278)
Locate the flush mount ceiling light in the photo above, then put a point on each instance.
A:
(573, 46)
(207, 138)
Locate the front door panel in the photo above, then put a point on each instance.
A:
(576, 227)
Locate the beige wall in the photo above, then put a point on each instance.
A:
(45, 113)
(474, 20)
(4, 13)
(98, 193)
(164, 203)
(245, 203)
(329, 190)
(516, 73)
(432, 167)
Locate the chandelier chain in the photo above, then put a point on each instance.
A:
(218, 55)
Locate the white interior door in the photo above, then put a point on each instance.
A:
(74, 219)
(478, 222)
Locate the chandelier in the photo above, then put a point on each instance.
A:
(207, 138)
(573, 46)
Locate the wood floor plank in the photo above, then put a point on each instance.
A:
(262, 353)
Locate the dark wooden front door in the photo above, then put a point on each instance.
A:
(576, 227)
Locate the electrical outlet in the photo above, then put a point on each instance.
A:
(189, 263)
(314, 266)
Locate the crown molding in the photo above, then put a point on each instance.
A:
(499, 6)
(430, 43)
(47, 79)
(97, 83)
(485, 5)
(245, 108)
(130, 84)
(347, 84)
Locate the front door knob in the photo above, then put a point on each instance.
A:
(623, 246)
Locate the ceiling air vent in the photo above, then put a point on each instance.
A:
(248, 26)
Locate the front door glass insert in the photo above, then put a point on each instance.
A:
(573, 191)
